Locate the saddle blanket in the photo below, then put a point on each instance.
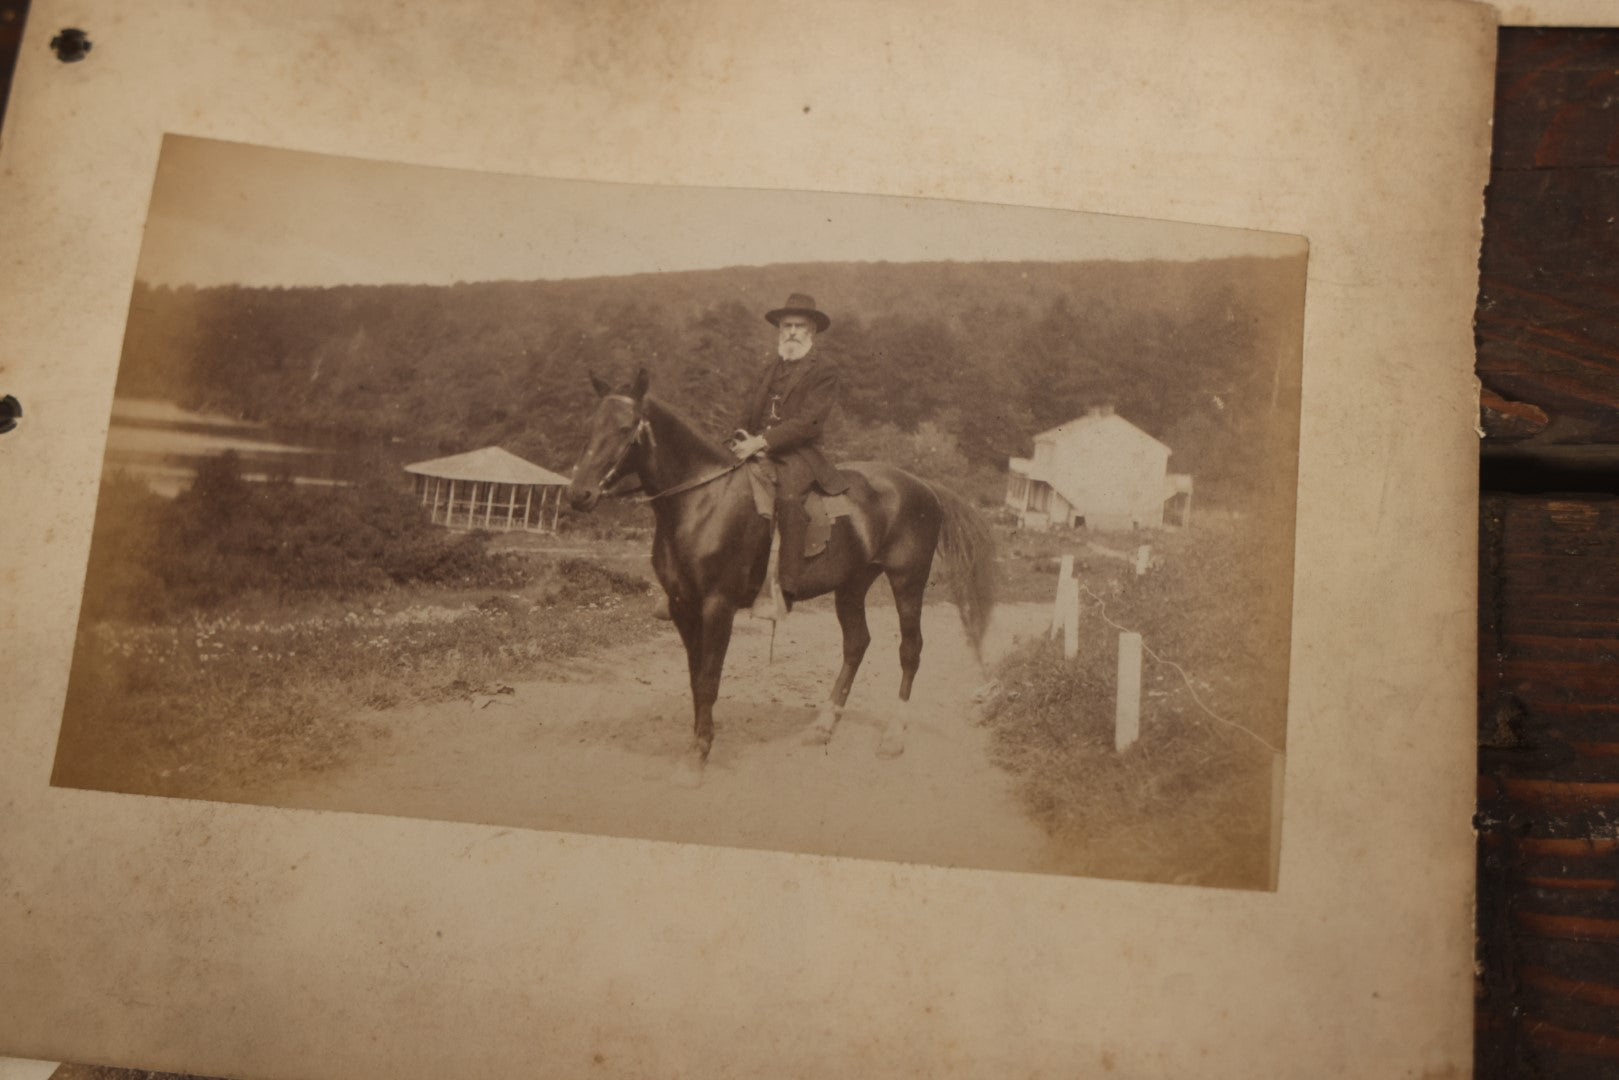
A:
(822, 509)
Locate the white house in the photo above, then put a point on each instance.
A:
(1100, 471)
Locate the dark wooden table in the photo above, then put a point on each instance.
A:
(1548, 355)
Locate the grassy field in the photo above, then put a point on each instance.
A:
(240, 630)
(1190, 801)
(262, 685)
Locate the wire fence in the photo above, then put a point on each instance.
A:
(1065, 620)
(1186, 678)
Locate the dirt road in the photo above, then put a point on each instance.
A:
(593, 749)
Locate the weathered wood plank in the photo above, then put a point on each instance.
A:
(1548, 785)
(1547, 327)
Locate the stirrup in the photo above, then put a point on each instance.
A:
(770, 603)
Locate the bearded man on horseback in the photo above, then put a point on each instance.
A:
(784, 418)
(710, 542)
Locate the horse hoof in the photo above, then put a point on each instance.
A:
(689, 773)
(891, 745)
(817, 736)
(820, 732)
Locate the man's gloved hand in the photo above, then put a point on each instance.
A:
(747, 445)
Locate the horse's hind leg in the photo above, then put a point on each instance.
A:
(851, 605)
(908, 587)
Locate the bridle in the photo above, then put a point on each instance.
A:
(643, 429)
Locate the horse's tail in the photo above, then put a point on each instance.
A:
(968, 548)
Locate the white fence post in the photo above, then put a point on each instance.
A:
(1058, 615)
(1127, 714)
(1143, 558)
(1070, 611)
(1065, 609)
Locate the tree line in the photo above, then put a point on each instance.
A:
(1202, 355)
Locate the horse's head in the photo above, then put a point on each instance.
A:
(618, 435)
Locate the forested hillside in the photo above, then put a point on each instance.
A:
(1202, 355)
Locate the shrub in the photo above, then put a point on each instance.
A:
(930, 452)
(1186, 803)
(122, 578)
(223, 536)
(580, 580)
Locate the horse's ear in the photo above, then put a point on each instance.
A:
(638, 388)
(603, 388)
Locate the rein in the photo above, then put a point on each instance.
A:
(690, 484)
(644, 427)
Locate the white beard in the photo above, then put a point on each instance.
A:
(792, 350)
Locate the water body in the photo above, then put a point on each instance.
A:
(163, 444)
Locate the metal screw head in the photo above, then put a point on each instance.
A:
(71, 45)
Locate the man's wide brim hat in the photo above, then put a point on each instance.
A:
(800, 304)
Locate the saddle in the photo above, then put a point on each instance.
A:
(822, 509)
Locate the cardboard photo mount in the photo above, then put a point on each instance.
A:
(241, 940)
(256, 263)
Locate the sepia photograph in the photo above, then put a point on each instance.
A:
(902, 529)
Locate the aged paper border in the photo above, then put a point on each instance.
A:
(235, 939)
(1565, 13)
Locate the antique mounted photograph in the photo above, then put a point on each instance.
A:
(847, 525)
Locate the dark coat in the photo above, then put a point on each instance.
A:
(793, 434)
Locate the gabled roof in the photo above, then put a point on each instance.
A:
(1111, 423)
(491, 465)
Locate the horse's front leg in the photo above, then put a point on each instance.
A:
(712, 630)
(688, 619)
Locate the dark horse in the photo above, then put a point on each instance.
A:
(711, 548)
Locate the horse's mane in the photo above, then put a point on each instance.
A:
(689, 437)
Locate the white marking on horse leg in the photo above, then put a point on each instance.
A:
(689, 773)
(892, 743)
(820, 732)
